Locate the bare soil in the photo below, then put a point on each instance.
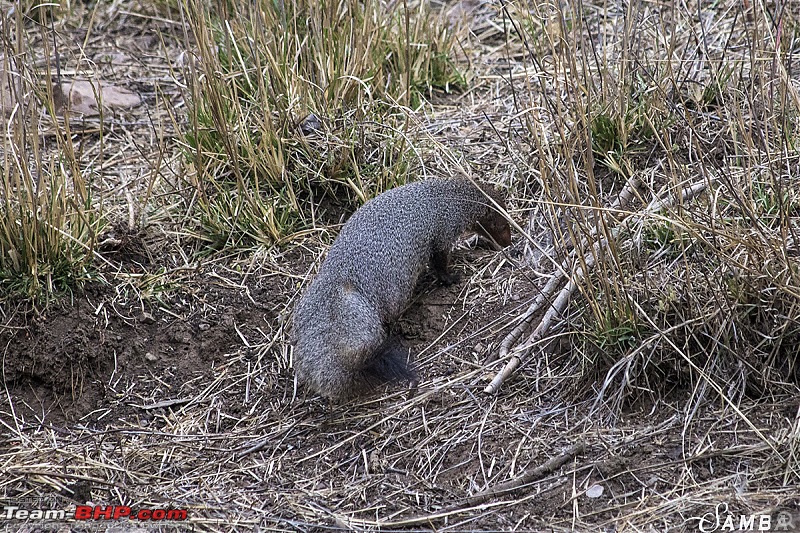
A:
(66, 362)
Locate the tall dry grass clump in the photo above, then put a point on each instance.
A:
(296, 105)
(47, 222)
(666, 144)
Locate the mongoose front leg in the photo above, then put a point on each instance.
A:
(440, 262)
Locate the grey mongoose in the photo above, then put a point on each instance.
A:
(341, 345)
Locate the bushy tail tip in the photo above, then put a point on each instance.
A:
(388, 364)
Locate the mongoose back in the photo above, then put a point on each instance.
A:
(342, 348)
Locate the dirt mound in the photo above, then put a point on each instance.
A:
(70, 358)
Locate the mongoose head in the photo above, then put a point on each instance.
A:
(493, 225)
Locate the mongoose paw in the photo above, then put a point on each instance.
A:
(448, 278)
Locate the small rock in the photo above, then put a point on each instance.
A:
(181, 337)
(310, 124)
(84, 97)
(150, 357)
(147, 318)
(204, 326)
(595, 491)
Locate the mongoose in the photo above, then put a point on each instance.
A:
(342, 348)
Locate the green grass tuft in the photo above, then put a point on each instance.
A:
(48, 225)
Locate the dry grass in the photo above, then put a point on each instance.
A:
(693, 293)
(650, 151)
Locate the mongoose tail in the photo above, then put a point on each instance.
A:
(388, 364)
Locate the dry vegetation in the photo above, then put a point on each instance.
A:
(645, 320)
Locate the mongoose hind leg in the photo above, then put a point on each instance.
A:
(440, 262)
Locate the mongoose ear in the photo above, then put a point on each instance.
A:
(495, 194)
